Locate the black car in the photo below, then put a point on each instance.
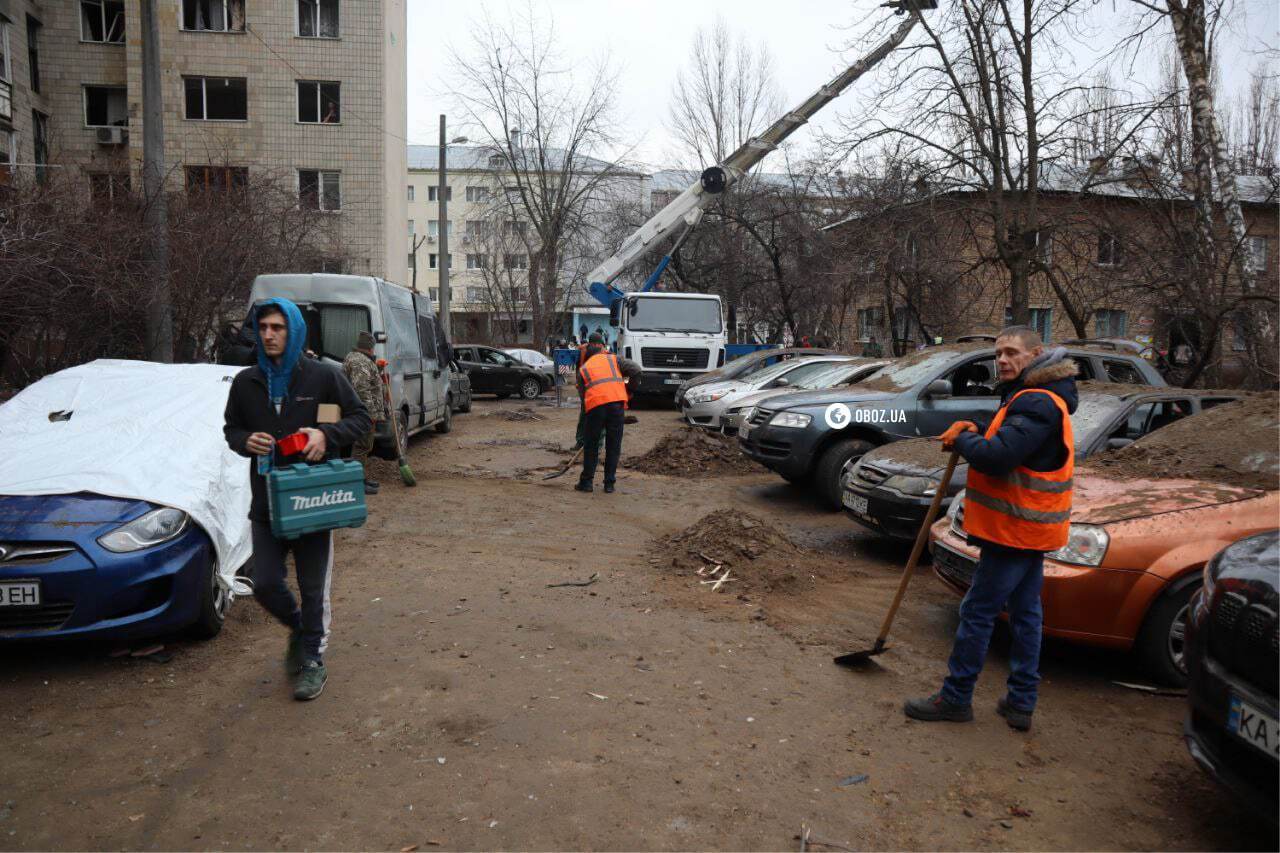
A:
(890, 488)
(1232, 665)
(492, 371)
(809, 437)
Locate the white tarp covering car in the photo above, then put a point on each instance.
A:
(133, 429)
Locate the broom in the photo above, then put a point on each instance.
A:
(406, 473)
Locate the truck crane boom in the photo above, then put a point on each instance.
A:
(685, 210)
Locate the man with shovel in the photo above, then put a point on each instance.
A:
(1018, 507)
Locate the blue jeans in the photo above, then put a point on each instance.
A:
(1003, 576)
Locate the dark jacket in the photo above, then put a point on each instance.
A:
(249, 410)
(1031, 434)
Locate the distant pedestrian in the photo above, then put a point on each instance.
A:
(362, 372)
(602, 385)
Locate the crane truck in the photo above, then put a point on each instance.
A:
(676, 336)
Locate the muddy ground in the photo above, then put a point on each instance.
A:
(470, 705)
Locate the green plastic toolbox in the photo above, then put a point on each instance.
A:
(308, 498)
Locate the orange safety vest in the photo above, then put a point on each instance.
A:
(1024, 508)
(602, 381)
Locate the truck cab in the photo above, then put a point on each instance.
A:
(672, 336)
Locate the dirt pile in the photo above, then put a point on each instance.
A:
(1234, 444)
(758, 556)
(694, 453)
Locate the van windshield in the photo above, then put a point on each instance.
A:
(655, 314)
(332, 329)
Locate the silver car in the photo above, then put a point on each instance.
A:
(842, 373)
(705, 404)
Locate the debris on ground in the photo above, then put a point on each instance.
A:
(856, 779)
(695, 453)
(760, 556)
(525, 414)
(588, 582)
(1234, 444)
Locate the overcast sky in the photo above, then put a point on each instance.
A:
(649, 40)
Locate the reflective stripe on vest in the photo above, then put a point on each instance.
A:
(1024, 508)
(602, 381)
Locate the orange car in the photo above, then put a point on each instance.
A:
(1139, 540)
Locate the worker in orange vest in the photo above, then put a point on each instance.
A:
(602, 385)
(1017, 507)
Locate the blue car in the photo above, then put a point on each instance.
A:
(88, 566)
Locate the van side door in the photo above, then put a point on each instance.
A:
(433, 397)
(403, 351)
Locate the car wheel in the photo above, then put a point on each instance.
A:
(827, 474)
(1162, 644)
(215, 601)
(446, 423)
(530, 389)
(466, 404)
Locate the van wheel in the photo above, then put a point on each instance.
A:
(830, 468)
(402, 418)
(445, 424)
(215, 601)
(530, 389)
(1162, 644)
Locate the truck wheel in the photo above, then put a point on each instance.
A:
(830, 467)
(215, 600)
(530, 389)
(1161, 645)
(445, 424)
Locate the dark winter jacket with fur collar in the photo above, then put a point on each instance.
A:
(1031, 434)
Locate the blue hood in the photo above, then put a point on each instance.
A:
(278, 376)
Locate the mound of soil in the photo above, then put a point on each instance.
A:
(694, 453)
(1234, 444)
(759, 556)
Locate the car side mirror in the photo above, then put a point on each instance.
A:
(782, 382)
(1117, 443)
(938, 389)
(379, 337)
(615, 312)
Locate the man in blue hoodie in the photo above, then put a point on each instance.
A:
(276, 398)
(1017, 507)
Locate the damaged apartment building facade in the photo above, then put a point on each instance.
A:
(308, 95)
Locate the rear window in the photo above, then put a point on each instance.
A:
(339, 326)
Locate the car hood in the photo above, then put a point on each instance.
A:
(1100, 500)
(849, 395)
(916, 457)
(50, 518)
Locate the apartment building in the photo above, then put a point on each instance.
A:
(305, 94)
(490, 240)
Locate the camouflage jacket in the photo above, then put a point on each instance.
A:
(364, 376)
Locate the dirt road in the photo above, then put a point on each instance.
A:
(472, 706)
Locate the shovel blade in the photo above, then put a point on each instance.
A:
(857, 660)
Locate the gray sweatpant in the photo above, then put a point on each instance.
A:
(313, 561)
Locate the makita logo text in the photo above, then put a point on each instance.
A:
(337, 496)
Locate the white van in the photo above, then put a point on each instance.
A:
(405, 332)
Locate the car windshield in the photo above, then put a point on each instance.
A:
(1093, 413)
(831, 376)
(773, 371)
(655, 314)
(912, 369)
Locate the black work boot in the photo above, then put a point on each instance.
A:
(1020, 720)
(370, 487)
(933, 709)
(583, 487)
(608, 488)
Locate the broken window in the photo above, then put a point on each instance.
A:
(33, 52)
(216, 98)
(318, 19)
(320, 190)
(106, 187)
(102, 21)
(217, 178)
(214, 16)
(319, 103)
(106, 106)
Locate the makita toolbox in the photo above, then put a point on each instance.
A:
(307, 498)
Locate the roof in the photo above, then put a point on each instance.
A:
(475, 158)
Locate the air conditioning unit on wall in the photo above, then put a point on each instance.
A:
(112, 136)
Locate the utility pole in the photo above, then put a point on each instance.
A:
(442, 262)
(159, 313)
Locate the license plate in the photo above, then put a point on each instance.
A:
(1254, 727)
(20, 594)
(857, 503)
(673, 381)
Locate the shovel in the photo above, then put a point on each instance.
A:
(857, 659)
(566, 467)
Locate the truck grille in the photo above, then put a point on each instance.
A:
(663, 358)
(1244, 638)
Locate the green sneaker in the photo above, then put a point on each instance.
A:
(310, 681)
(293, 653)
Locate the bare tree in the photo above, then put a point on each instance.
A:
(548, 124)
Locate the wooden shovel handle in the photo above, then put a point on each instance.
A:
(921, 538)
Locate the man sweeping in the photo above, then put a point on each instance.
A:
(602, 385)
(279, 397)
(1017, 506)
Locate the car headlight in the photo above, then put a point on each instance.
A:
(708, 397)
(1086, 546)
(159, 525)
(956, 504)
(915, 486)
(791, 420)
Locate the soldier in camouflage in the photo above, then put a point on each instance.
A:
(362, 370)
